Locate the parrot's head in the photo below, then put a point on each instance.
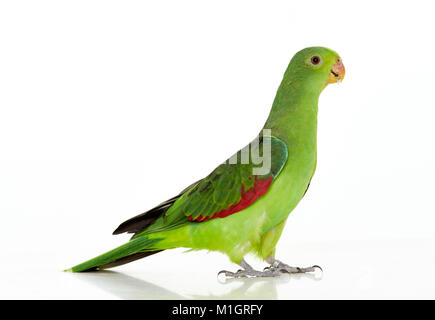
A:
(317, 66)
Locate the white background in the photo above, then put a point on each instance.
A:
(109, 107)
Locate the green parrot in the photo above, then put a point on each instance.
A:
(242, 206)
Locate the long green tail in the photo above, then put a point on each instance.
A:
(142, 245)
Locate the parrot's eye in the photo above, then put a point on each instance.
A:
(315, 60)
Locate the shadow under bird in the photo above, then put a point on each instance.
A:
(241, 207)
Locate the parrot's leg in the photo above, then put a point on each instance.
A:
(248, 271)
(279, 266)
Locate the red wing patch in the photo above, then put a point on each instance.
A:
(248, 197)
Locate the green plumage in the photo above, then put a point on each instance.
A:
(193, 218)
(221, 188)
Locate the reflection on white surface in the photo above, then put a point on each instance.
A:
(374, 269)
(127, 287)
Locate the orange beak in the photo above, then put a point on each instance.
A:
(337, 72)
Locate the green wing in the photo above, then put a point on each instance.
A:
(231, 187)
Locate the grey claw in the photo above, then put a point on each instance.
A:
(316, 266)
(221, 272)
(226, 273)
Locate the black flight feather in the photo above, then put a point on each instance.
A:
(141, 221)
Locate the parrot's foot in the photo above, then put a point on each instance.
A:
(276, 265)
(248, 271)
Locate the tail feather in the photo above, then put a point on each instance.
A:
(128, 259)
(135, 249)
